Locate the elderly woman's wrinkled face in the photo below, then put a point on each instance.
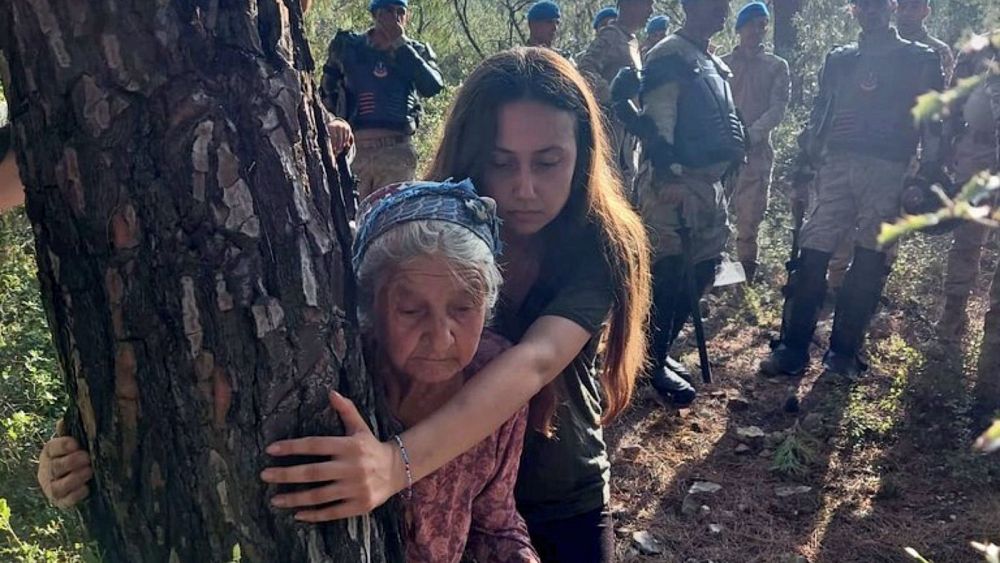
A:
(429, 319)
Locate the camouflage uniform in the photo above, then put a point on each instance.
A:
(687, 102)
(842, 258)
(380, 90)
(761, 89)
(975, 151)
(987, 390)
(612, 50)
(940, 47)
(861, 120)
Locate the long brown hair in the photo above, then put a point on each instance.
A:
(596, 203)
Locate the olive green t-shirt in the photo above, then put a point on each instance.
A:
(566, 475)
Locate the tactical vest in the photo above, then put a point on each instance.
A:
(378, 95)
(709, 130)
(872, 97)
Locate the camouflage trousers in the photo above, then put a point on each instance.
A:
(383, 161)
(987, 391)
(694, 198)
(749, 200)
(854, 194)
(971, 157)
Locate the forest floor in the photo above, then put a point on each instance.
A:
(860, 472)
(863, 469)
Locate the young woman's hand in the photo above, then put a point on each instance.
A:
(360, 475)
(64, 471)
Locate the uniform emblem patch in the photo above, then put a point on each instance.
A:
(869, 83)
(380, 70)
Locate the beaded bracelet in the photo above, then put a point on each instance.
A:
(406, 465)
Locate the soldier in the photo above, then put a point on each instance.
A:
(543, 24)
(604, 16)
(975, 151)
(615, 48)
(861, 120)
(910, 16)
(372, 81)
(761, 89)
(691, 136)
(656, 30)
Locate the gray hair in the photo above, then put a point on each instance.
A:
(459, 246)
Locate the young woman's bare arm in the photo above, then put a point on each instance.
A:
(11, 189)
(366, 472)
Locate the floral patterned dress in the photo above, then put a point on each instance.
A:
(467, 506)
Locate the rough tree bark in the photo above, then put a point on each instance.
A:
(191, 263)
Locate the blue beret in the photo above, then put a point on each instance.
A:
(544, 10)
(657, 23)
(451, 202)
(751, 11)
(603, 14)
(379, 4)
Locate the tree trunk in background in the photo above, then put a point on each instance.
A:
(786, 41)
(191, 263)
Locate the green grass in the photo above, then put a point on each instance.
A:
(32, 401)
(875, 404)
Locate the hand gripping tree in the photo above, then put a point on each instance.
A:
(193, 256)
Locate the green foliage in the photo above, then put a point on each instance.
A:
(873, 410)
(796, 453)
(32, 393)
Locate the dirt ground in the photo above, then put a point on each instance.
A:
(867, 468)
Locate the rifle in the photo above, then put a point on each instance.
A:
(693, 295)
(348, 185)
(801, 178)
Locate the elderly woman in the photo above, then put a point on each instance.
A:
(428, 279)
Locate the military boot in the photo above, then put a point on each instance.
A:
(803, 300)
(668, 304)
(672, 387)
(954, 319)
(750, 269)
(856, 304)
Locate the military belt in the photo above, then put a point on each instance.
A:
(383, 142)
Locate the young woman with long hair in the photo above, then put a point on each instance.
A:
(526, 129)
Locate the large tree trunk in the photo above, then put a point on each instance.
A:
(191, 262)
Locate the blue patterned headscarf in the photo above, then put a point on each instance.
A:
(447, 201)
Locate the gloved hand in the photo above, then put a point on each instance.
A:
(933, 174)
(625, 85)
(662, 155)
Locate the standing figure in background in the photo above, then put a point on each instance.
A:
(543, 24)
(691, 137)
(616, 47)
(656, 30)
(761, 89)
(910, 17)
(604, 17)
(862, 118)
(372, 83)
(975, 128)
